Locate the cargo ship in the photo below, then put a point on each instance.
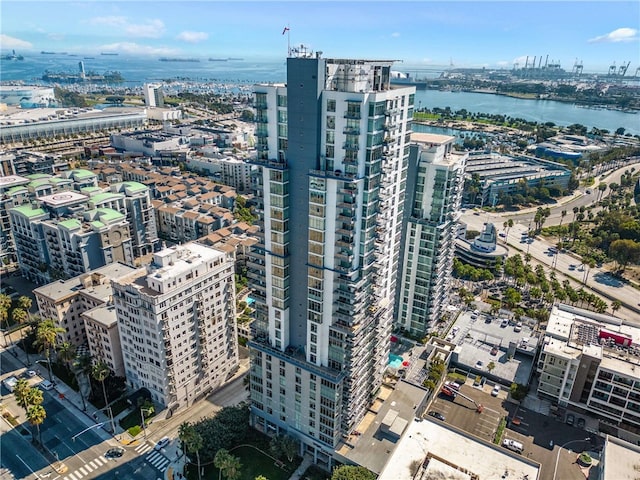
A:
(177, 59)
(109, 53)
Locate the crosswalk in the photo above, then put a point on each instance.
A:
(154, 458)
(86, 470)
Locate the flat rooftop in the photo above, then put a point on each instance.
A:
(63, 288)
(12, 181)
(63, 198)
(372, 447)
(426, 441)
(476, 338)
(621, 460)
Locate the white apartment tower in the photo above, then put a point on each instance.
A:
(153, 95)
(332, 152)
(432, 202)
(177, 324)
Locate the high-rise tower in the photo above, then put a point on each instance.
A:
(432, 202)
(333, 152)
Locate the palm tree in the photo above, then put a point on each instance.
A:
(191, 441)
(615, 306)
(21, 393)
(81, 368)
(228, 465)
(25, 303)
(46, 338)
(100, 372)
(20, 316)
(35, 416)
(66, 353)
(5, 301)
(4, 318)
(563, 214)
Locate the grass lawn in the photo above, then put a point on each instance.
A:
(253, 462)
(134, 418)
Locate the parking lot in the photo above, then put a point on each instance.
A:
(463, 414)
(535, 431)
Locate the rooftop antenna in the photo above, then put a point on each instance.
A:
(287, 30)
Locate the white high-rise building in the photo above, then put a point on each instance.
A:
(177, 324)
(332, 151)
(432, 202)
(153, 95)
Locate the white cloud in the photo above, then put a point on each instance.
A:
(618, 35)
(137, 49)
(395, 34)
(111, 21)
(11, 42)
(150, 28)
(55, 36)
(192, 37)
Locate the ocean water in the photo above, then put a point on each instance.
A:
(241, 74)
(138, 70)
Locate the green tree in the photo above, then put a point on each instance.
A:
(349, 472)
(191, 441)
(100, 372)
(284, 446)
(5, 301)
(46, 339)
(21, 392)
(625, 252)
(4, 318)
(615, 306)
(35, 416)
(66, 353)
(228, 465)
(25, 303)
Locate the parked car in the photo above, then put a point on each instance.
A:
(10, 383)
(163, 442)
(518, 327)
(437, 415)
(495, 391)
(494, 351)
(45, 385)
(571, 419)
(513, 445)
(31, 373)
(452, 385)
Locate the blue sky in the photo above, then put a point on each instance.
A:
(477, 33)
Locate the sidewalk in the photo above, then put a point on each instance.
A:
(67, 395)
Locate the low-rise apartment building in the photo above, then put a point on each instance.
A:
(66, 301)
(177, 324)
(591, 362)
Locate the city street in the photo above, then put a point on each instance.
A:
(598, 280)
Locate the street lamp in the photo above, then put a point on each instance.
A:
(555, 470)
(148, 411)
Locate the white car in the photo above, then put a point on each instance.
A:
(31, 373)
(45, 385)
(163, 442)
(495, 391)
